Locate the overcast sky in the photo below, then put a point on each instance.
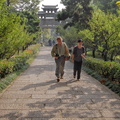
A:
(52, 2)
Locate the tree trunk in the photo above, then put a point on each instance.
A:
(93, 52)
(105, 56)
(111, 56)
(103, 53)
(23, 48)
(86, 51)
(8, 2)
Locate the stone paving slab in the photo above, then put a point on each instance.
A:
(36, 95)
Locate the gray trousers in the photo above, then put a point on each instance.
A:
(60, 63)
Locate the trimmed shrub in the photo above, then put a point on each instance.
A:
(17, 62)
(107, 69)
(113, 85)
(6, 67)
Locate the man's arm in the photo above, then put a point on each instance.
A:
(53, 51)
(83, 54)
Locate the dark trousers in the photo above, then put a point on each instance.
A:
(77, 69)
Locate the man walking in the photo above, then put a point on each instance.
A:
(78, 54)
(60, 52)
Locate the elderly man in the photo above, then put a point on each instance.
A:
(60, 52)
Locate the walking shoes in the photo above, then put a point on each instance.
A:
(58, 79)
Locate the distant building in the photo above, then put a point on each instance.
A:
(48, 16)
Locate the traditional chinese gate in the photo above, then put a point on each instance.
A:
(48, 18)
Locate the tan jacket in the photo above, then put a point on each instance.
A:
(63, 50)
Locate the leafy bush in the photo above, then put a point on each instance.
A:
(6, 67)
(107, 69)
(110, 84)
(17, 62)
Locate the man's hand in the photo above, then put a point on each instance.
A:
(83, 56)
(72, 60)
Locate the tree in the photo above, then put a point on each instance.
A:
(13, 35)
(106, 29)
(32, 21)
(118, 5)
(28, 10)
(88, 38)
(69, 35)
(78, 11)
(106, 5)
(8, 2)
(26, 5)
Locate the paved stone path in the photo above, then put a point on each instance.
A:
(35, 95)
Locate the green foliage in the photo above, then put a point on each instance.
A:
(77, 11)
(108, 69)
(25, 5)
(106, 28)
(13, 36)
(47, 33)
(106, 5)
(17, 62)
(108, 73)
(17, 31)
(93, 73)
(9, 78)
(31, 25)
(88, 37)
(104, 34)
(2, 1)
(32, 21)
(69, 35)
(5, 67)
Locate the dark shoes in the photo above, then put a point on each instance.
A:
(58, 79)
(75, 77)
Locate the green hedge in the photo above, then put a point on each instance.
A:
(108, 73)
(6, 67)
(110, 84)
(17, 62)
(109, 70)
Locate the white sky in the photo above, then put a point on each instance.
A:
(52, 2)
